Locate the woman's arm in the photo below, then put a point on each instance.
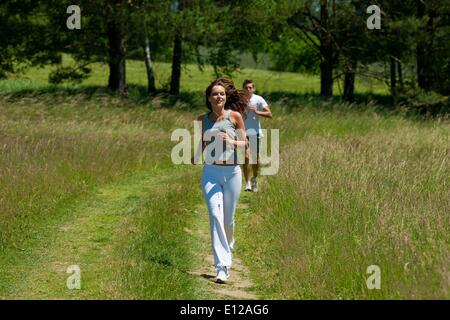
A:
(240, 131)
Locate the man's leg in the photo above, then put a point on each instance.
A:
(255, 165)
(247, 170)
(254, 183)
(255, 168)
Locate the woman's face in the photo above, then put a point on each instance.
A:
(218, 97)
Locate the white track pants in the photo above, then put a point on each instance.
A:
(221, 187)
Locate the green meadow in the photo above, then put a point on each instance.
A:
(86, 179)
(193, 79)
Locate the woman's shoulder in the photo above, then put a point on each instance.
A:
(235, 114)
(236, 117)
(201, 117)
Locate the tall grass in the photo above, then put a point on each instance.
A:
(53, 149)
(342, 203)
(356, 187)
(161, 251)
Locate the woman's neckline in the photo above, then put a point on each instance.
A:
(224, 115)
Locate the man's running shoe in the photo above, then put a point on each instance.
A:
(254, 185)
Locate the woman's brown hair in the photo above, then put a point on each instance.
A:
(237, 100)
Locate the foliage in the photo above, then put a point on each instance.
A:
(291, 53)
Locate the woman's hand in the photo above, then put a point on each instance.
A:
(236, 143)
(225, 137)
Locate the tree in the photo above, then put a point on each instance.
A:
(149, 33)
(215, 31)
(151, 86)
(359, 47)
(289, 52)
(24, 39)
(116, 46)
(177, 51)
(102, 38)
(397, 39)
(316, 21)
(433, 57)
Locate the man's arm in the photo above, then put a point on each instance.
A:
(265, 112)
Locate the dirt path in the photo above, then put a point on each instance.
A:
(239, 286)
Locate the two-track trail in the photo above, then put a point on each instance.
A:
(88, 236)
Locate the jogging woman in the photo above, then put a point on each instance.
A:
(223, 132)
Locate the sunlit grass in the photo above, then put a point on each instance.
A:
(192, 79)
(358, 192)
(356, 186)
(52, 149)
(57, 150)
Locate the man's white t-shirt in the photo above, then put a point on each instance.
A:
(252, 124)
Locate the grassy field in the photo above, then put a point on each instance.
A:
(374, 195)
(192, 80)
(58, 153)
(86, 178)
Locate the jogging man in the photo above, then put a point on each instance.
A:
(257, 107)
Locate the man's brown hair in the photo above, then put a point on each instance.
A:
(247, 82)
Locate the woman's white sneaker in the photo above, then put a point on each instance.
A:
(248, 186)
(222, 275)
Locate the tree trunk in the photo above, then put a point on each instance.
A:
(421, 52)
(326, 50)
(421, 67)
(400, 74)
(117, 54)
(349, 81)
(177, 53)
(176, 65)
(429, 78)
(393, 81)
(151, 88)
(326, 78)
(425, 47)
